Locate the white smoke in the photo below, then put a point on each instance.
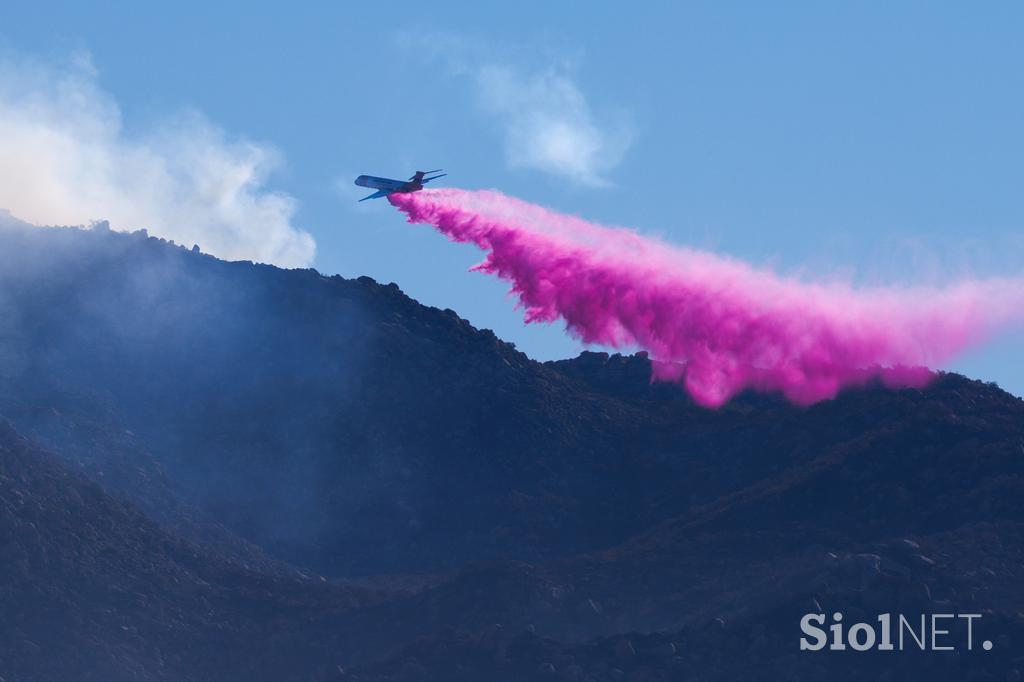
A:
(66, 159)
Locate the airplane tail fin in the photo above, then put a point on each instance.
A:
(418, 177)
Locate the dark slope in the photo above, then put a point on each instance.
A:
(938, 464)
(90, 437)
(273, 416)
(315, 416)
(93, 590)
(918, 512)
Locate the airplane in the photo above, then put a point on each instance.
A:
(386, 186)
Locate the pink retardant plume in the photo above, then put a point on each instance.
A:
(716, 325)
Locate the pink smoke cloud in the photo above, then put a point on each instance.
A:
(714, 324)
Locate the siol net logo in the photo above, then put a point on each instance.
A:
(931, 632)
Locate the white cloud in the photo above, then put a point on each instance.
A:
(545, 119)
(65, 158)
(548, 124)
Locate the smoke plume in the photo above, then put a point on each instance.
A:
(716, 325)
(69, 159)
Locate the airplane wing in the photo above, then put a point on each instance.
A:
(376, 195)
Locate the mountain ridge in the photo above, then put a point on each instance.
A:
(365, 483)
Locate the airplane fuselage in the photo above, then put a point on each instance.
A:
(386, 186)
(392, 186)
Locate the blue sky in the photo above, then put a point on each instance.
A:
(878, 142)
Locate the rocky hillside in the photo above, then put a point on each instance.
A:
(218, 470)
(92, 589)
